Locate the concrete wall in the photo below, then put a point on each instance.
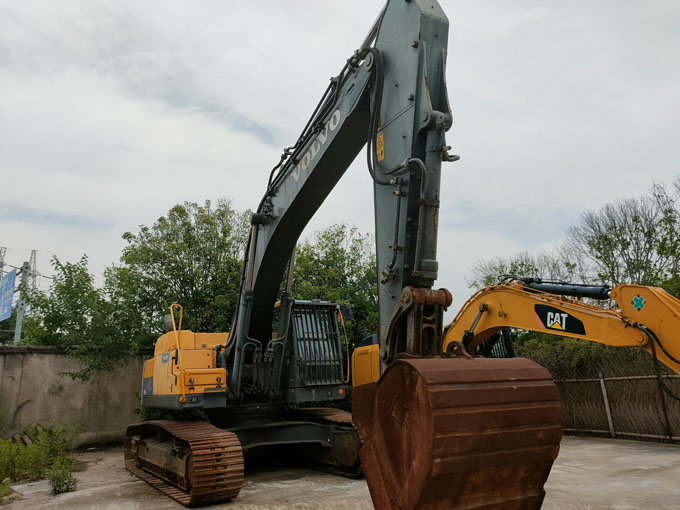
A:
(32, 391)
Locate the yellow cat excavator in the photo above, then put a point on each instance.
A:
(490, 428)
(432, 426)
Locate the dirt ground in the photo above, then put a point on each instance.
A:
(589, 474)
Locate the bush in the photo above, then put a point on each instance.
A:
(55, 441)
(8, 452)
(21, 463)
(61, 478)
(5, 489)
(30, 463)
(48, 454)
(574, 358)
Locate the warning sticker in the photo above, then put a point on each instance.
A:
(380, 145)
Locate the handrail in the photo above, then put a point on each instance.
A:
(178, 330)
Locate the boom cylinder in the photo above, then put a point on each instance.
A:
(572, 289)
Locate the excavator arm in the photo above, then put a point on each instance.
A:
(391, 94)
(646, 317)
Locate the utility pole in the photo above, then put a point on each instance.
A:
(21, 305)
(32, 263)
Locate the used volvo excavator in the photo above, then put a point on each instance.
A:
(433, 425)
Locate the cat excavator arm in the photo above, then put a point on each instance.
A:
(645, 317)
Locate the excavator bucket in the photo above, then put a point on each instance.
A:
(463, 433)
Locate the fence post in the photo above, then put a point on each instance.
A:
(662, 397)
(606, 407)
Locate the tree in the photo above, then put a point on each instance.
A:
(338, 264)
(7, 328)
(546, 265)
(192, 256)
(634, 240)
(77, 316)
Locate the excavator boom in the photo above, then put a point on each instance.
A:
(646, 317)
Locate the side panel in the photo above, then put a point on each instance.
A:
(163, 378)
(365, 364)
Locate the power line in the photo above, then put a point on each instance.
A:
(37, 273)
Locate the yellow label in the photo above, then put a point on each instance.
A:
(381, 147)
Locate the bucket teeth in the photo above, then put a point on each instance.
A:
(215, 461)
(472, 434)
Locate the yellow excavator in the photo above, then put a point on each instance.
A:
(493, 425)
(433, 425)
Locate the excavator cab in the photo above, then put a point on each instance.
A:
(500, 345)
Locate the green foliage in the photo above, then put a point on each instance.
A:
(548, 265)
(5, 490)
(7, 328)
(61, 478)
(55, 441)
(338, 264)
(573, 358)
(634, 240)
(8, 455)
(30, 463)
(79, 317)
(50, 446)
(21, 463)
(192, 256)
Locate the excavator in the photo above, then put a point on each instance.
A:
(434, 424)
(492, 424)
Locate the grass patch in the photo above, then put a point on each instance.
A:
(48, 454)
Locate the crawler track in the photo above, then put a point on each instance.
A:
(211, 461)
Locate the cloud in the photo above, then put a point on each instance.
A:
(110, 113)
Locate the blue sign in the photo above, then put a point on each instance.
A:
(7, 294)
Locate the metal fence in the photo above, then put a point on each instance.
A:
(632, 407)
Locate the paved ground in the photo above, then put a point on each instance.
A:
(589, 474)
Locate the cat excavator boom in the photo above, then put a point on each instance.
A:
(644, 317)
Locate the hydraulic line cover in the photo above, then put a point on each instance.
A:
(458, 433)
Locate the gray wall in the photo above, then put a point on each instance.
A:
(33, 392)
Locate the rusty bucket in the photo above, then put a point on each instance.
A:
(463, 433)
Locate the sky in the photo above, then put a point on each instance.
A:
(112, 112)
